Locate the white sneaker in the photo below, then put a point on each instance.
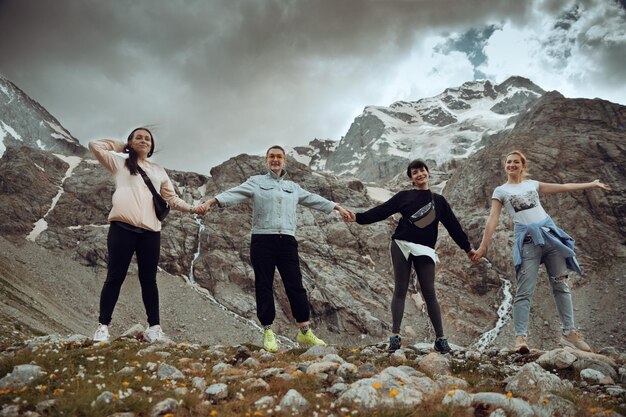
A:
(102, 334)
(154, 334)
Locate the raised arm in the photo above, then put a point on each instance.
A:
(490, 227)
(102, 148)
(551, 188)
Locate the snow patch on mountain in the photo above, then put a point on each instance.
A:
(451, 125)
(41, 224)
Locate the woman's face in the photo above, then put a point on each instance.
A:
(420, 177)
(141, 142)
(275, 160)
(514, 165)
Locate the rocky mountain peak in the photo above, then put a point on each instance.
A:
(25, 122)
(448, 126)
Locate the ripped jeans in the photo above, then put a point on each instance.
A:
(532, 257)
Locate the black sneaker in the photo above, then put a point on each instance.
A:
(395, 342)
(442, 346)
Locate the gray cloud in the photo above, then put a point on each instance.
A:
(222, 77)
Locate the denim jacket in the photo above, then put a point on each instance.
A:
(563, 241)
(274, 202)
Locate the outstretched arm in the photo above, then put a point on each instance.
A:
(551, 188)
(490, 227)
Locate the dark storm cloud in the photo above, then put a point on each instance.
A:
(223, 77)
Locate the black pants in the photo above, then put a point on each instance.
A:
(122, 243)
(268, 252)
(425, 269)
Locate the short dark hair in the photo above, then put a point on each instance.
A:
(416, 164)
(275, 147)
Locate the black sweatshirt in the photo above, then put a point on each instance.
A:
(408, 202)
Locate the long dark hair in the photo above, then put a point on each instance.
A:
(131, 162)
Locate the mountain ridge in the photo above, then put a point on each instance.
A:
(346, 267)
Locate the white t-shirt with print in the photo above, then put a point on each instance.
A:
(521, 201)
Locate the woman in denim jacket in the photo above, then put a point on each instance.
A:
(536, 240)
(273, 244)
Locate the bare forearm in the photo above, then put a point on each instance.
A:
(490, 228)
(549, 188)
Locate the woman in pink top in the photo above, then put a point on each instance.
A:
(134, 227)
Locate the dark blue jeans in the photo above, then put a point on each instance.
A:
(268, 252)
(123, 243)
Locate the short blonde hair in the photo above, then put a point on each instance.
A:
(525, 173)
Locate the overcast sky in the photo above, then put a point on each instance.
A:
(218, 78)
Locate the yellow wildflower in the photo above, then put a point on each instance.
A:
(213, 413)
(509, 395)
(450, 393)
(393, 393)
(377, 385)
(125, 384)
(138, 378)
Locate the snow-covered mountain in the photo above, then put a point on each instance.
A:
(315, 154)
(451, 125)
(24, 122)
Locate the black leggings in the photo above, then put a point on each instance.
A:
(425, 269)
(122, 243)
(268, 252)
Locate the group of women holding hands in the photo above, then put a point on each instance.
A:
(135, 229)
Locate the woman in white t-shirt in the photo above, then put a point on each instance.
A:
(537, 240)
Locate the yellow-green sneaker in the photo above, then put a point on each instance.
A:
(309, 339)
(269, 341)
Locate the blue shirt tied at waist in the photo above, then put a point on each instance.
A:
(561, 240)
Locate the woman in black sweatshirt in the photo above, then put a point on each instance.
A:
(413, 243)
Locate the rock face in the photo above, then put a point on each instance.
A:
(449, 126)
(61, 202)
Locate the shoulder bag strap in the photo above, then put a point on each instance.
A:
(146, 179)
